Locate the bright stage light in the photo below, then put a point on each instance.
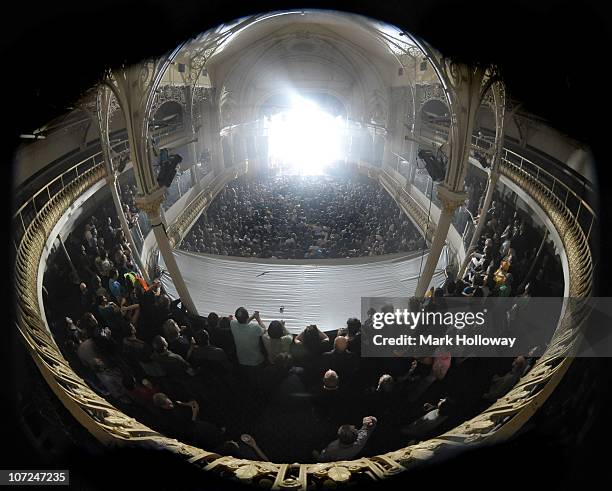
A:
(305, 139)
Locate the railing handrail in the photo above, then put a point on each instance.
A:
(540, 170)
(114, 145)
(557, 164)
(60, 176)
(111, 426)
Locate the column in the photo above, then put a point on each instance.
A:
(151, 205)
(112, 184)
(103, 117)
(68, 258)
(451, 200)
(499, 99)
(134, 87)
(482, 220)
(466, 86)
(189, 122)
(216, 150)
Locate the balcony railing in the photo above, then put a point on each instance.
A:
(41, 212)
(570, 200)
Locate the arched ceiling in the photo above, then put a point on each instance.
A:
(363, 34)
(347, 56)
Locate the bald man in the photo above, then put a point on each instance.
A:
(341, 360)
(330, 380)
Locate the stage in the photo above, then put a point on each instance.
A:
(325, 292)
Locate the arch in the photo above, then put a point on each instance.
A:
(337, 53)
(485, 118)
(435, 112)
(169, 112)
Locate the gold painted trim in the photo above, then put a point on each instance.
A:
(110, 426)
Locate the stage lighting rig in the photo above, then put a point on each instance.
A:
(167, 167)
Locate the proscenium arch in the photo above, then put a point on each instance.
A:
(252, 104)
(214, 40)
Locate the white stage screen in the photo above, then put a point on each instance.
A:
(323, 292)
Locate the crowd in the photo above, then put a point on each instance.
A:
(221, 380)
(296, 217)
(506, 259)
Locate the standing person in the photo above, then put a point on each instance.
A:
(114, 286)
(247, 337)
(350, 441)
(277, 340)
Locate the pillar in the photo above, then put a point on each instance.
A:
(112, 184)
(465, 87)
(134, 87)
(191, 147)
(216, 150)
(193, 171)
(67, 255)
(151, 205)
(103, 117)
(450, 202)
(499, 98)
(482, 220)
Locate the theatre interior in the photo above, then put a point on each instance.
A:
(194, 237)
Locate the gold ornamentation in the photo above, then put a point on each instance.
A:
(247, 472)
(339, 474)
(151, 203)
(112, 427)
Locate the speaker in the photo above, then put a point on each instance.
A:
(423, 66)
(434, 166)
(167, 170)
(181, 67)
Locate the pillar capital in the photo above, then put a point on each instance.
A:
(451, 200)
(151, 203)
(111, 179)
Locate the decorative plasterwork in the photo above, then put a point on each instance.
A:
(135, 89)
(432, 92)
(330, 63)
(169, 93)
(110, 426)
(488, 100)
(201, 94)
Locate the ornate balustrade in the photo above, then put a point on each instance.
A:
(37, 218)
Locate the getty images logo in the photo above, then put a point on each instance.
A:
(404, 317)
